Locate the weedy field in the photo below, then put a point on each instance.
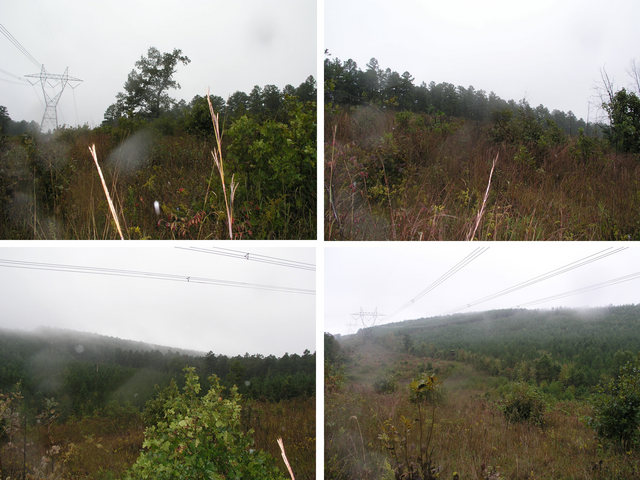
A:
(417, 176)
(198, 171)
(393, 413)
(106, 446)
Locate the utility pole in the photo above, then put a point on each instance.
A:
(55, 82)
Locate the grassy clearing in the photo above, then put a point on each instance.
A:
(104, 447)
(410, 176)
(49, 188)
(471, 436)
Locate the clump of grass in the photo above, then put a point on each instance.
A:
(217, 159)
(92, 149)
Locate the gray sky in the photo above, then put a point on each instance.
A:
(225, 320)
(387, 276)
(549, 52)
(232, 46)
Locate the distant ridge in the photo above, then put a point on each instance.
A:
(72, 338)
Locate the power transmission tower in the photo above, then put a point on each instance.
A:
(55, 83)
(367, 320)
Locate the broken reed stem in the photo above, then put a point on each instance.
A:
(472, 234)
(284, 457)
(92, 149)
(217, 158)
(331, 165)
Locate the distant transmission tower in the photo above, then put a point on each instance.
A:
(367, 319)
(56, 83)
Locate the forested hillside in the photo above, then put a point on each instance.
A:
(152, 148)
(498, 394)
(573, 347)
(445, 162)
(91, 397)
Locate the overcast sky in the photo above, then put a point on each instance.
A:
(225, 320)
(232, 46)
(384, 277)
(549, 52)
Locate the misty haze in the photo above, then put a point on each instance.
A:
(500, 121)
(151, 152)
(199, 353)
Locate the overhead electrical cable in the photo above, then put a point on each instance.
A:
(22, 80)
(149, 275)
(445, 276)
(545, 276)
(6, 80)
(590, 288)
(19, 46)
(227, 252)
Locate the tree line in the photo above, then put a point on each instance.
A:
(86, 377)
(347, 84)
(566, 347)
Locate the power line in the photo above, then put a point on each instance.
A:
(18, 45)
(146, 274)
(20, 79)
(227, 252)
(546, 276)
(10, 81)
(445, 276)
(597, 286)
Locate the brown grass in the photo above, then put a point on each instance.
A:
(217, 159)
(92, 149)
(387, 181)
(471, 435)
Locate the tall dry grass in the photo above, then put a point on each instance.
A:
(219, 163)
(427, 179)
(92, 149)
(471, 436)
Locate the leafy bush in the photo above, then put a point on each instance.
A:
(200, 437)
(524, 404)
(385, 385)
(617, 408)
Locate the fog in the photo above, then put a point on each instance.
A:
(232, 46)
(173, 312)
(400, 281)
(546, 52)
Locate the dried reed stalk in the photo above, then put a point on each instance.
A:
(472, 233)
(217, 158)
(284, 457)
(92, 149)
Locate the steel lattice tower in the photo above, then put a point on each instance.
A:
(56, 82)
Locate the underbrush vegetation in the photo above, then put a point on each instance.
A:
(444, 162)
(95, 414)
(160, 170)
(552, 416)
(417, 176)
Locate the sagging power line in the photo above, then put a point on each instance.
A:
(590, 288)
(23, 264)
(227, 252)
(545, 276)
(444, 277)
(19, 46)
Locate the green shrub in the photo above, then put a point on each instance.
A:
(617, 408)
(524, 403)
(200, 437)
(385, 384)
